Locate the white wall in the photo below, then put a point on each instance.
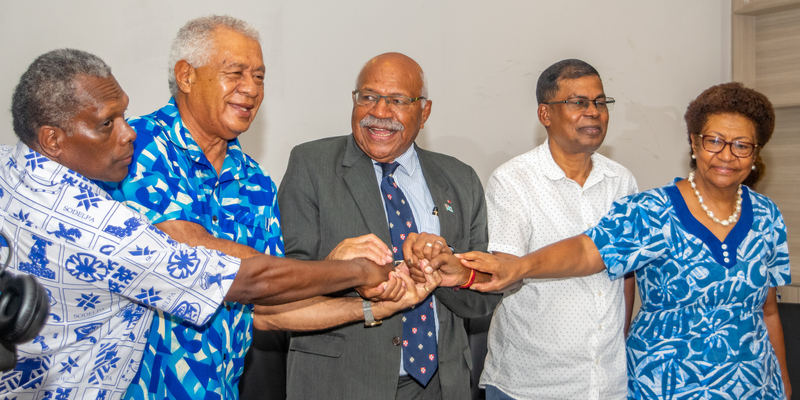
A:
(482, 60)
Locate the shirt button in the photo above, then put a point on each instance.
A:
(589, 226)
(599, 293)
(228, 307)
(725, 253)
(597, 361)
(727, 260)
(224, 356)
(600, 327)
(396, 340)
(214, 218)
(724, 246)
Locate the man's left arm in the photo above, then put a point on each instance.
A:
(630, 187)
(630, 295)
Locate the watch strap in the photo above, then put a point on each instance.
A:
(369, 319)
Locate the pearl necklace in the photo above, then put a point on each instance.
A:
(725, 222)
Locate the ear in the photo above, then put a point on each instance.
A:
(426, 112)
(695, 142)
(49, 140)
(185, 76)
(543, 112)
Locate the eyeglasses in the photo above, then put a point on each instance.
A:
(603, 104)
(370, 99)
(714, 144)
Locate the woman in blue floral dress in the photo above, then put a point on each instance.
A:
(708, 253)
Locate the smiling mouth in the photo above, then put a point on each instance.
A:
(594, 129)
(241, 109)
(379, 132)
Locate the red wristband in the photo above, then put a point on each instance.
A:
(470, 281)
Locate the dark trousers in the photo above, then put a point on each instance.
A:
(409, 389)
(264, 376)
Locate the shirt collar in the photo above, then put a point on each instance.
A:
(235, 160)
(552, 171)
(46, 172)
(409, 160)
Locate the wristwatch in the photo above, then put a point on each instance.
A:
(369, 320)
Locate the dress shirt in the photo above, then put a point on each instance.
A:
(555, 338)
(411, 181)
(172, 179)
(105, 269)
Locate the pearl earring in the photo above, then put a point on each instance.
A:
(753, 167)
(694, 157)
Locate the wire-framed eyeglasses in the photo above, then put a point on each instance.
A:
(715, 144)
(370, 99)
(603, 104)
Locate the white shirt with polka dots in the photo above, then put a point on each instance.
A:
(555, 338)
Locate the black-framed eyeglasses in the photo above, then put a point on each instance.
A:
(370, 99)
(603, 104)
(715, 144)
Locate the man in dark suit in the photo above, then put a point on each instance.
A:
(333, 191)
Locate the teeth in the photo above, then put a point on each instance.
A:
(239, 107)
(380, 132)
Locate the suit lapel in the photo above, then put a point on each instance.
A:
(359, 175)
(441, 193)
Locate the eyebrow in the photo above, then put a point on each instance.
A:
(735, 139)
(576, 96)
(234, 64)
(368, 89)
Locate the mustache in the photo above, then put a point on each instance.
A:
(388, 124)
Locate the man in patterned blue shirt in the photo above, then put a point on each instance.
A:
(192, 180)
(104, 267)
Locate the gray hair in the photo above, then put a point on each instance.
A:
(195, 45)
(47, 93)
(422, 92)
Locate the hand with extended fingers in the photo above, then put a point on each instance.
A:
(501, 268)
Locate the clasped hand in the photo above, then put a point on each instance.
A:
(399, 287)
(426, 253)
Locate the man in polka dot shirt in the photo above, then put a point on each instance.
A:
(560, 338)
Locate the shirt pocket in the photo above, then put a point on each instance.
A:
(427, 223)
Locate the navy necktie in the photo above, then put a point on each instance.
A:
(419, 329)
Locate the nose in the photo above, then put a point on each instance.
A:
(591, 110)
(727, 153)
(248, 86)
(381, 108)
(128, 135)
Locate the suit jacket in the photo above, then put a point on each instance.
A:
(330, 193)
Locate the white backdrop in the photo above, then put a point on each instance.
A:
(482, 60)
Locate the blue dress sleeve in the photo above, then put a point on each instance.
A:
(777, 261)
(631, 235)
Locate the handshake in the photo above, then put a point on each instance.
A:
(428, 264)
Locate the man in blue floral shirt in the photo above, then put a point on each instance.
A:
(192, 180)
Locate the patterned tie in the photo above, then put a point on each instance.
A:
(419, 329)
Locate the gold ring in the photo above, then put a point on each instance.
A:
(429, 244)
(426, 288)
